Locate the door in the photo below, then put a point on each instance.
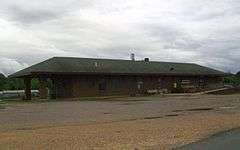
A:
(140, 87)
(102, 86)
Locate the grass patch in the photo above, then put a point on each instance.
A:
(97, 98)
(2, 107)
(124, 98)
(2, 103)
(37, 100)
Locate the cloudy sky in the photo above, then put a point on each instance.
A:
(206, 32)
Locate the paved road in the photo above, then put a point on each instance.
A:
(224, 141)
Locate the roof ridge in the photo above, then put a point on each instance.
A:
(89, 58)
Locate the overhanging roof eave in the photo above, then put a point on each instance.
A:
(36, 74)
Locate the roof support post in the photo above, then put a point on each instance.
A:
(43, 91)
(27, 83)
(53, 90)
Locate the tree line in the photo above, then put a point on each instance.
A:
(14, 84)
(233, 79)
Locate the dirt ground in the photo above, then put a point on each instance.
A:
(122, 123)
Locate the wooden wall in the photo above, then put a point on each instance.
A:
(103, 85)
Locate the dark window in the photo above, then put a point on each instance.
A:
(115, 84)
(102, 85)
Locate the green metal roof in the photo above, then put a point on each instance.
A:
(70, 65)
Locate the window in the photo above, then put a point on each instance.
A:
(102, 85)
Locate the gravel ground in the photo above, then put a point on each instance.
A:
(125, 123)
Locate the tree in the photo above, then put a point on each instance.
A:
(232, 80)
(2, 81)
(238, 74)
(2, 76)
(15, 84)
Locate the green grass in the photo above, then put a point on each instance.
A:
(1, 107)
(96, 98)
(2, 103)
(37, 100)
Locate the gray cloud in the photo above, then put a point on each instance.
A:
(10, 65)
(201, 31)
(32, 16)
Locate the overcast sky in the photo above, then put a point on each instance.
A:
(206, 32)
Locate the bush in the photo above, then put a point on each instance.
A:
(15, 84)
(233, 80)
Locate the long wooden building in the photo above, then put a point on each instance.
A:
(80, 77)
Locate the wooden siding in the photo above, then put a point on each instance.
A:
(103, 85)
